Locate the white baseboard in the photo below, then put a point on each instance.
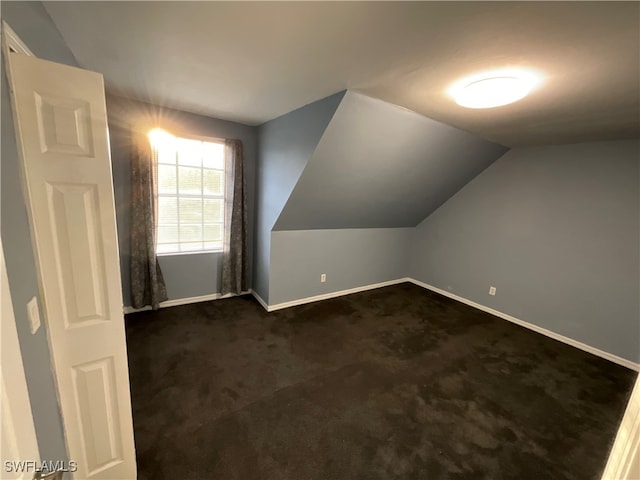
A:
(260, 300)
(326, 296)
(279, 306)
(556, 336)
(185, 301)
(624, 458)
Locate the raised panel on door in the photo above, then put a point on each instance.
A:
(95, 386)
(79, 251)
(64, 125)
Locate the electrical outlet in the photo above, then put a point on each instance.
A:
(323, 278)
(492, 290)
(34, 315)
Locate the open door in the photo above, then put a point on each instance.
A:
(61, 125)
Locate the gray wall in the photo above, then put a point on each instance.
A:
(33, 25)
(285, 145)
(380, 166)
(556, 230)
(349, 257)
(186, 275)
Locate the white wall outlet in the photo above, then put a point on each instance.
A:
(492, 290)
(33, 314)
(323, 278)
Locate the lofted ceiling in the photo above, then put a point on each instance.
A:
(253, 61)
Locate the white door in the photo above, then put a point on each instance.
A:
(624, 458)
(61, 124)
(19, 443)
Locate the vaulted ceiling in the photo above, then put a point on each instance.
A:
(251, 62)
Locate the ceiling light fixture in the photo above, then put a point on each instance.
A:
(494, 88)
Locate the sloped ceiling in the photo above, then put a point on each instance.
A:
(379, 165)
(286, 144)
(254, 61)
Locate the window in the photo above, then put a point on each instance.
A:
(190, 193)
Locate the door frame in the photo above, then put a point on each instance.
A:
(11, 42)
(15, 402)
(17, 417)
(624, 458)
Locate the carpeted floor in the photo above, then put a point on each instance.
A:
(394, 383)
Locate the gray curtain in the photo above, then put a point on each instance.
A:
(147, 283)
(234, 255)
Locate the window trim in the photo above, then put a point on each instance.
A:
(202, 197)
(194, 252)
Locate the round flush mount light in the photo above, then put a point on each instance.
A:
(494, 88)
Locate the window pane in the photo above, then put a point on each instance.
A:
(213, 232)
(190, 233)
(167, 210)
(189, 152)
(213, 210)
(188, 170)
(213, 182)
(166, 154)
(190, 210)
(213, 155)
(168, 234)
(166, 179)
(190, 180)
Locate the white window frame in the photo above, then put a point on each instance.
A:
(202, 196)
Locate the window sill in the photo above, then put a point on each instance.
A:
(179, 254)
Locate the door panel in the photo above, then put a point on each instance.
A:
(95, 385)
(79, 246)
(64, 125)
(63, 137)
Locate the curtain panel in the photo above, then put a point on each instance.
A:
(234, 255)
(147, 282)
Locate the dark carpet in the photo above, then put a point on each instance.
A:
(394, 383)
